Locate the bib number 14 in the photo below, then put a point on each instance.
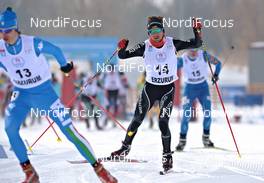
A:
(162, 69)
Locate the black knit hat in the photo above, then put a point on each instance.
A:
(155, 21)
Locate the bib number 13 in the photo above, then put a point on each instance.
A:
(23, 73)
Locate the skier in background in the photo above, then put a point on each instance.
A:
(23, 61)
(7, 95)
(159, 53)
(91, 90)
(112, 85)
(195, 70)
(56, 85)
(123, 95)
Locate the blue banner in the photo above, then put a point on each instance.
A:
(93, 49)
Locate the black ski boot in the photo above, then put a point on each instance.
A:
(167, 162)
(207, 142)
(122, 152)
(181, 144)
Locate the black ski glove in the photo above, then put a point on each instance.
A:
(67, 68)
(215, 78)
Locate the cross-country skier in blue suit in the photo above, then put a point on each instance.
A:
(22, 59)
(195, 70)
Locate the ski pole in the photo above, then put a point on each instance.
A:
(103, 109)
(78, 94)
(58, 137)
(228, 56)
(107, 112)
(222, 103)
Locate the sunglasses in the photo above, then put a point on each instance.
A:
(155, 31)
(193, 50)
(5, 31)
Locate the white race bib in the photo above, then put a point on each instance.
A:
(25, 69)
(195, 71)
(161, 63)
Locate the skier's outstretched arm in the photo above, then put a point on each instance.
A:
(136, 51)
(218, 65)
(195, 42)
(45, 47)
(215, 61)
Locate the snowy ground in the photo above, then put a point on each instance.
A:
(193, 165)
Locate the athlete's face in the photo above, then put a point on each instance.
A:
(156, 34)
(10, 36)
(193, 54)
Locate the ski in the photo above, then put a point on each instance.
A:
(179, 171)
(224, 149)
(77, 161)
(216, 148)
(108, 159)
(163, 172)
(122, 160)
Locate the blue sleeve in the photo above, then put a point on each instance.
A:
(179, 62)
(3, 67)
(45, 47)
(218, 67)
(215, 61)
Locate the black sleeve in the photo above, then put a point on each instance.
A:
(137, 51)
(192, 43)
